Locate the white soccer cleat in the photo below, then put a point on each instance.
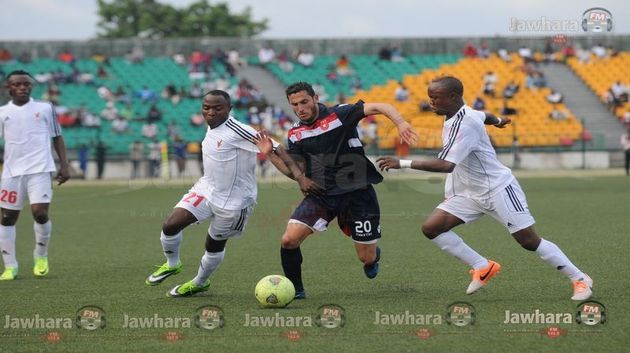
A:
(582, 288)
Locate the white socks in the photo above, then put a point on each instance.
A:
(552, 254)
(7, 245)
(454, 245)
(42, 237)
(170, 246)
(209, 263)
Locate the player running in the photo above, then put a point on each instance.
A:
(225, 194)
(325, 143)
(27, 126)
(479, 184)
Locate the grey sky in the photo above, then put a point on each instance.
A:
(76, 19)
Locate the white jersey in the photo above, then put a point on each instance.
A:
(478, 174)
(229, 165)
(27, 131)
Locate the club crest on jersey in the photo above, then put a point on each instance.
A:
(37, 116)
(219, 142)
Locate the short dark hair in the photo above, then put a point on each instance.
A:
(218, 92)
(18, 72)
(299, 87)
(451, 83)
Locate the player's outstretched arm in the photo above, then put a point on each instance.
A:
(433, 165)
(405, 131)
(492, 119)
(64, 172)
(286, 165)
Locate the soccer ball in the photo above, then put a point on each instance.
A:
(275, 291)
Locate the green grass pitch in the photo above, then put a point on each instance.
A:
(105, 242)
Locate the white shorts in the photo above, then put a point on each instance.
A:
(509, 207)
(13, 190)
(224, 223)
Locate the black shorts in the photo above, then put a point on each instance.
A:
(357, 212)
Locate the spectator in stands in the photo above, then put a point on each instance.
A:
(82, 154)
(490, 80)
(5, 56)
(584, 56)
(470, 51)
(479, 104)
(120, 125)
(154, 114)
(526, 53)
(170, 92)
(305, 58)
(150, 130)
(266, 55)
(43, 77)
(539, 80)
(385, 53)
(402, 93)
(90, 120)
(612, 52)
(179, 149)
(341, 98)
(195, 91)
(504, 55)
(510, 90)
(507, 110)
(626, 118)
(196, 119)
(320, 91)
(155, 154)
(173, 130)
(558, 114)
(146, 95)
(568, 51)
(484, 51)
(619, 91)
(137, 55)
(110, 112)
(625, 144)
(397, 55)
(599, 50)
(342, 66)
(253, 118)
(122, 95)
(53, 93)
(136, 155)
(101, 156)
(234, 59)
(65, 116)
(179, 59)
(66, 56)
(101, 73)
(127, 112)
(555, 97)
(284, 61)
(355, 84)
(25, 57)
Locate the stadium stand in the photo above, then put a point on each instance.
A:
(600, 74)
(532, 124)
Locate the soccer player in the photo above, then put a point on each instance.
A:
(479, 184)
(225, 194)
(325, 143)
(27, 126)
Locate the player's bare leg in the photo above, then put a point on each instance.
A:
(551, 253)
(291, 255)
(369, 254)
(7, 243)
(43, 229)
(437, 227)
(171, 238)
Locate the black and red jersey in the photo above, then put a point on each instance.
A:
(331, 149)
